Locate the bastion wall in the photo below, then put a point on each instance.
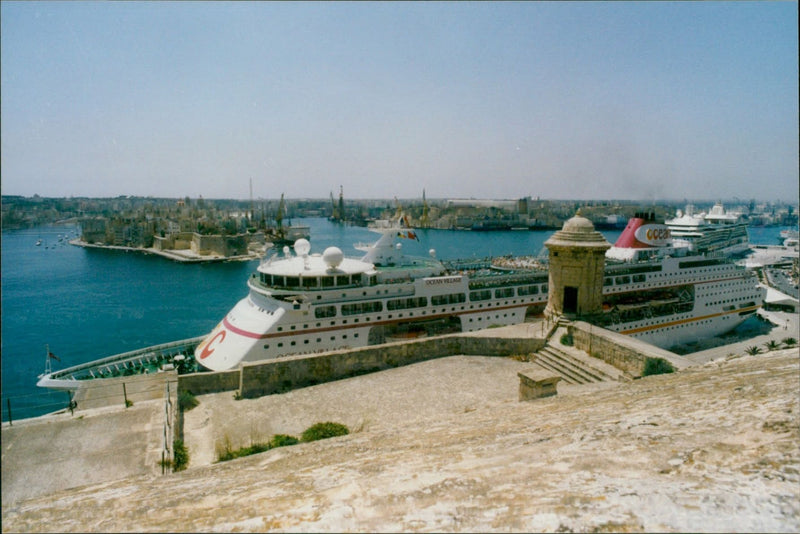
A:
(291, 372)
(623, 352)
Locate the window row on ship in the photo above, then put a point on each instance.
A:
(343, 338)
(377, 306)
(316, 282)
(669, 278)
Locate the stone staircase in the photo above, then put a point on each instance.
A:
(574, 365)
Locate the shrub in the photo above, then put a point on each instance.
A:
(752, 351)
(324, 431)
(566, 339)
(657, 366)
(180, 455)
(229, 454)
(789, 342)
(282, 440)
(771, 345)
(187, 401)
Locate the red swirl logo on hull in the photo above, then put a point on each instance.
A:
(212, 344)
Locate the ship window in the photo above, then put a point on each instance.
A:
(544, 288)
(608, 281)
(504, 292)
(292, 281)
(484, 294)
(310, 282)
(327, 281)
(305, 342)
(359, 308)
(325, 311)
(402, 304)
(524, 290)
(343, 280)
(452, 298)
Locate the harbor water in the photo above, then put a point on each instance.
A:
(84, 304)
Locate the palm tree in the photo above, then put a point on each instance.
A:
(789, 342)
(772, 345)
(752, 351)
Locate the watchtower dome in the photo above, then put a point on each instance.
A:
(577, 265)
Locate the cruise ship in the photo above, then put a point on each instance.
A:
(716, 231)
(653, 290)
(300, 302)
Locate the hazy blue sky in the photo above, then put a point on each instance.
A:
(488, 100)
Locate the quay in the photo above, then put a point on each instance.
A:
(181, 256)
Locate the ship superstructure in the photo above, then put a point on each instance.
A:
(716, 231)
(665, 293)
(305, 303)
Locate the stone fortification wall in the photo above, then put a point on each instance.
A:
(621, 351)
(179, 241)
(213, 382)
(221, 245)
(274, 376)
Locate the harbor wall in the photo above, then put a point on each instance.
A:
(621, 351)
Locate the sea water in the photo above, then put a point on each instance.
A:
(83, 304)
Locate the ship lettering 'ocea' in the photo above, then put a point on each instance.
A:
(438, 281)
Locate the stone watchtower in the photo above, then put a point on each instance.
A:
(577, 265)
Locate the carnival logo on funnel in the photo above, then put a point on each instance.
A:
(655, 235)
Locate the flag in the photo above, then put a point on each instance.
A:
(51, 355)
(412, 235)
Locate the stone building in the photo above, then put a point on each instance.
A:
(577, 265)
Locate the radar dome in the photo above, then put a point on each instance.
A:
(302, 247)
(333, 257)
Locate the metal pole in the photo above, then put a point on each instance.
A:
(10, 422)
(125, 394)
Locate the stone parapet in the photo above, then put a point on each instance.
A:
(623, 352)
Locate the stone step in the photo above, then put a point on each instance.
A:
(561, 364)
(598, 366)
(565, 374)
(580, 367)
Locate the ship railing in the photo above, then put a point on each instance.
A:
(148, 353)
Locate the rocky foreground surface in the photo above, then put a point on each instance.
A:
(712, 448)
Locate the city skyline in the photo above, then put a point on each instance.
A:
(638, 101)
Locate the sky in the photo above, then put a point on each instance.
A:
(562, 100)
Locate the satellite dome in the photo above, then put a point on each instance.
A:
(333, 257)
(302, 247)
